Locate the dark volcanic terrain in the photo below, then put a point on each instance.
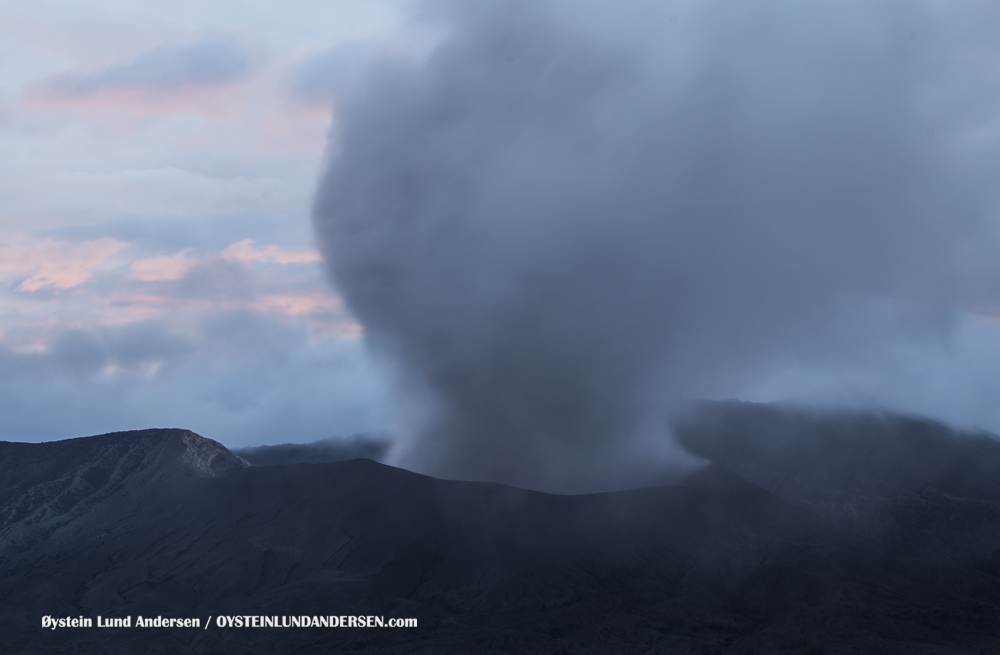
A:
(807, 534)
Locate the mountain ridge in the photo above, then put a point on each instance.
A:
(46, 486)
(714, 564)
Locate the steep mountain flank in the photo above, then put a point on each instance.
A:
(46, 487)
(165, 523)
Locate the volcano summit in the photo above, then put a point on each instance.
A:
(806, 533)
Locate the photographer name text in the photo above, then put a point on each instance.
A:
(226, 621)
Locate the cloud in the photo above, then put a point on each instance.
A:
(282, 283)
(298, 304)
(233, 347)
(212, 62)
(163, 267)
(134, 126)
(246, 251)
(237, 376)
(56, 264)
(320, 78)
(570, 217)
(176, 193)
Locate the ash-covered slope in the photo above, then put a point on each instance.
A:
(482, 566)
(713, 565)
(47, 487)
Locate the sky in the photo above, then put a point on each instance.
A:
(157, 262)
(539, 227)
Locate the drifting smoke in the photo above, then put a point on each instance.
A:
(567, 216)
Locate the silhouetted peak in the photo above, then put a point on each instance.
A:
(45, 486)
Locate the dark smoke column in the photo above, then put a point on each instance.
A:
(555, 227)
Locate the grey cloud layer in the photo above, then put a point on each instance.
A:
(211, 61)
(324, 76)
(568, 217)
(196, 352)
(238, 377)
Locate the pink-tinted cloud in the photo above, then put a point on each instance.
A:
(177, 291)
(322, 311)
(56, 264)
(246, 251)
(163, 267)
(298, 303)
(158, 285)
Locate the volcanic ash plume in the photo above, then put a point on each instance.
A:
(568, 217)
